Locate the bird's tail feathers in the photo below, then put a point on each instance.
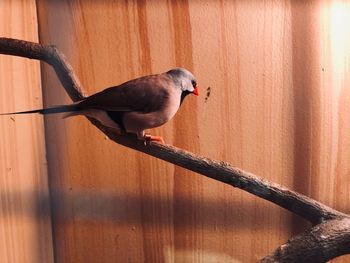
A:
(48, 110)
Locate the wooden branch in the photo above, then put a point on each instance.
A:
(51, 55)
(326, 218)
(299, 204)
(321, 243)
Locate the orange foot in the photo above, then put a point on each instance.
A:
(152, 138)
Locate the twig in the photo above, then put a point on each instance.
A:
(308, 208)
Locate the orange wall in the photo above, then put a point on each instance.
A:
(279, 107)
(25, 221)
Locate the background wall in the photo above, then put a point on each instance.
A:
(25, 222)
(279, 107)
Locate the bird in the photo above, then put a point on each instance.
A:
(133, 106)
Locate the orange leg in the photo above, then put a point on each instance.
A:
(151, 138)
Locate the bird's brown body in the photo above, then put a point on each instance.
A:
(143, 103)
(135, 105)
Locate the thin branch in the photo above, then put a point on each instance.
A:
(299, 204)
(51, 55)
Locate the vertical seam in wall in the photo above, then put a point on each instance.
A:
(49, 208)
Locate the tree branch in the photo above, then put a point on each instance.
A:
(51, 55)
(310, 209)
(321, 243)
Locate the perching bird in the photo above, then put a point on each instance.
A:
(134, 106)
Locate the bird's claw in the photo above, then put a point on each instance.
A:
(152, 138)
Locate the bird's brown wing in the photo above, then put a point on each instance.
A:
(145, 94)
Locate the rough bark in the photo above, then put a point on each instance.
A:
(328, 238)
(321, 243)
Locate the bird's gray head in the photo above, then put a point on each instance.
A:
(185, 80)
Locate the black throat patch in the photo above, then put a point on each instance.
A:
(183, 95)
(117, 117)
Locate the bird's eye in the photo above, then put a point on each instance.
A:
(194, 83)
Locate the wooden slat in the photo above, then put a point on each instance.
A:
(25, 222)
(270, 67)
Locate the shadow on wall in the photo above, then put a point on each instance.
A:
(121, 208)
(306, 93)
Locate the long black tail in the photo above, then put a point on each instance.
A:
(49, 110)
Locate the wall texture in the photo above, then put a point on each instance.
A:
(279, 107)
(25, 222)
